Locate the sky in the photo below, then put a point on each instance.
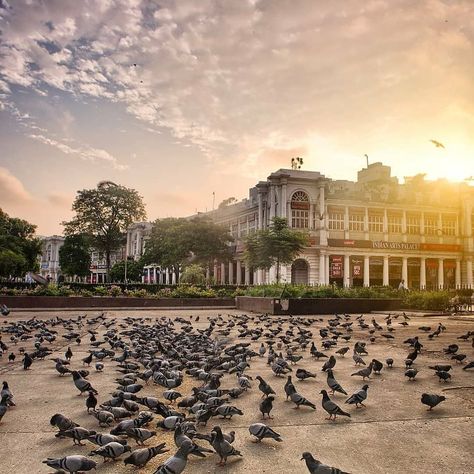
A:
(180, 99)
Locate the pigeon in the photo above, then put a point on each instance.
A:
(62, 422)
(358, 397)
(432, 400)
(443, 375)
(389, 362)
(298, 400)
(68, 354)
(333, 384)
(140, 457)
(176, 463)
(77, 434)
(4, 310)
(264, 387)
(140, 435)
(6, 392)
(377, 366)
(332, 409)
(289, 387)
(470, 365)
(317, 467)
(111, 450)
(365, 372)
(27, 361)
(303, 374)
(266, 406)
(261, 431)
(3, 406)
(222, 447)
(358, 359)
(329, 364)
(342, 351)
(82, 384)
(72, 464)
(437, 144)
(91, 402)
(101, 439)
(411, 374)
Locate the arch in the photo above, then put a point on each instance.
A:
(299, 196)
(300, 272)
(300, 210)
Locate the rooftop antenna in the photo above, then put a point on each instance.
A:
(296, 163)
(367, 159)
(213, 199)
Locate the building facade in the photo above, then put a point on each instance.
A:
(49, 258)
(373, 231)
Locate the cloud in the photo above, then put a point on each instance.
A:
(12, 191)
(59, 200)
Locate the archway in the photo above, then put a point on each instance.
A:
(300, 272)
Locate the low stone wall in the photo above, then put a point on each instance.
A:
(304, 306)
(25, 302)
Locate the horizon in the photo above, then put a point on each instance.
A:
(180, 100)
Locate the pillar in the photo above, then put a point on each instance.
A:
(208, 274)
(173, 278)
(457, 277)
(272, 201)
(260, 211)
(239, 272)
(385, 271)
(167, 276)
(366, 270)
(322, 266)
(222, 273)
(283, 204)
(326, 270)
(405, 271)
(422, 272)
(469, 273)
(148, 270)
(214, 275)
(440, 273)
(323, 236)
(247, 276)
(231, 273)
(346, 222)
(347, 266)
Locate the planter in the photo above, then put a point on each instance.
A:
(303, 306)
(58, 302)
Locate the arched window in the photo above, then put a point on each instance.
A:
(300, 210)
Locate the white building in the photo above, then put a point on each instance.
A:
(49, 258)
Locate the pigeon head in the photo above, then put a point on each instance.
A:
(323, 392)
(365, 387)
(306, 456)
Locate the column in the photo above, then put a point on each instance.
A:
(422, 272)
(346, 222)
(260, 211)
(405, 271)
(457, 277)
(385, 271)
(385, 221)
(272, 201)
(440, 273)
(347, 267)
(222, 273)
(208, 274)
(469, 272)
(366, 270)
(326, 270)
(239, 272)
(231, 273)
(148, 270)
(322, 266)
(366, 220)
(154, 275)
(247, 275)
(404, 226)
(167, 276)
(215, 274)
(283, 204)
(173, 278)
(311, 213)
(323, 236)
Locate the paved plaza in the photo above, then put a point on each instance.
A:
(394, 433)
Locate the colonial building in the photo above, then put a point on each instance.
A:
(373, 231)
(49, 258)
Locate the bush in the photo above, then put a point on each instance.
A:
(428, 300)
(115, 291)
(193, 275)
(100, 291)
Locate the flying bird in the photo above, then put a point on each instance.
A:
(437, 144)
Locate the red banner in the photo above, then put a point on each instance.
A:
(336, 266)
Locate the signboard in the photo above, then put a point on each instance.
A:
(356, 267)
(336, 266)
(304, 206)
(383, 245)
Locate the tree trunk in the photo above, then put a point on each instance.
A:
(107, 265)
(278, 270)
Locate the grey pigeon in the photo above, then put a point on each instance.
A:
(140, 457)
(176, 463)
(317, 467)
(358, 397)
(222, 447)
(111, 450)
(332, 409)
(298, 400)
(432, 400)
(261, 431)
(333, 384)
(364, 372)
(72, 464)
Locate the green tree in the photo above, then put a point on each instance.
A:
(105, 213)
(75, 255)
(274, 246)
(193, 275)
(134, 271)
(19, 248)
(176, 243)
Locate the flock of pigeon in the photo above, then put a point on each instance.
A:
(162, 355)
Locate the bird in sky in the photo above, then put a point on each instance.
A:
(437, 144)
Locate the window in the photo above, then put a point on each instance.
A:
(413, 224)
(449, 225)
(300, 210)
(252, 221)
(375, 223)
(336, 220)
(395, 224)
(356, 222)
(234, 230)
(431, 225)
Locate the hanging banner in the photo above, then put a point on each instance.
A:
(336, 266)
(357, 267)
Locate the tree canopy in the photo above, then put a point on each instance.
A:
(177, 242)
(134, 271)
(74, 255)
(276, 245)
(19, 248)
(104, 214)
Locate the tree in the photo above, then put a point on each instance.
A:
(193, 275)
(19, 248)
(104, 214)
(134, 271)
(274, 246)
(176, 243)
(75, 255)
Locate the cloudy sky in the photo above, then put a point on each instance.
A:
(182, 98)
